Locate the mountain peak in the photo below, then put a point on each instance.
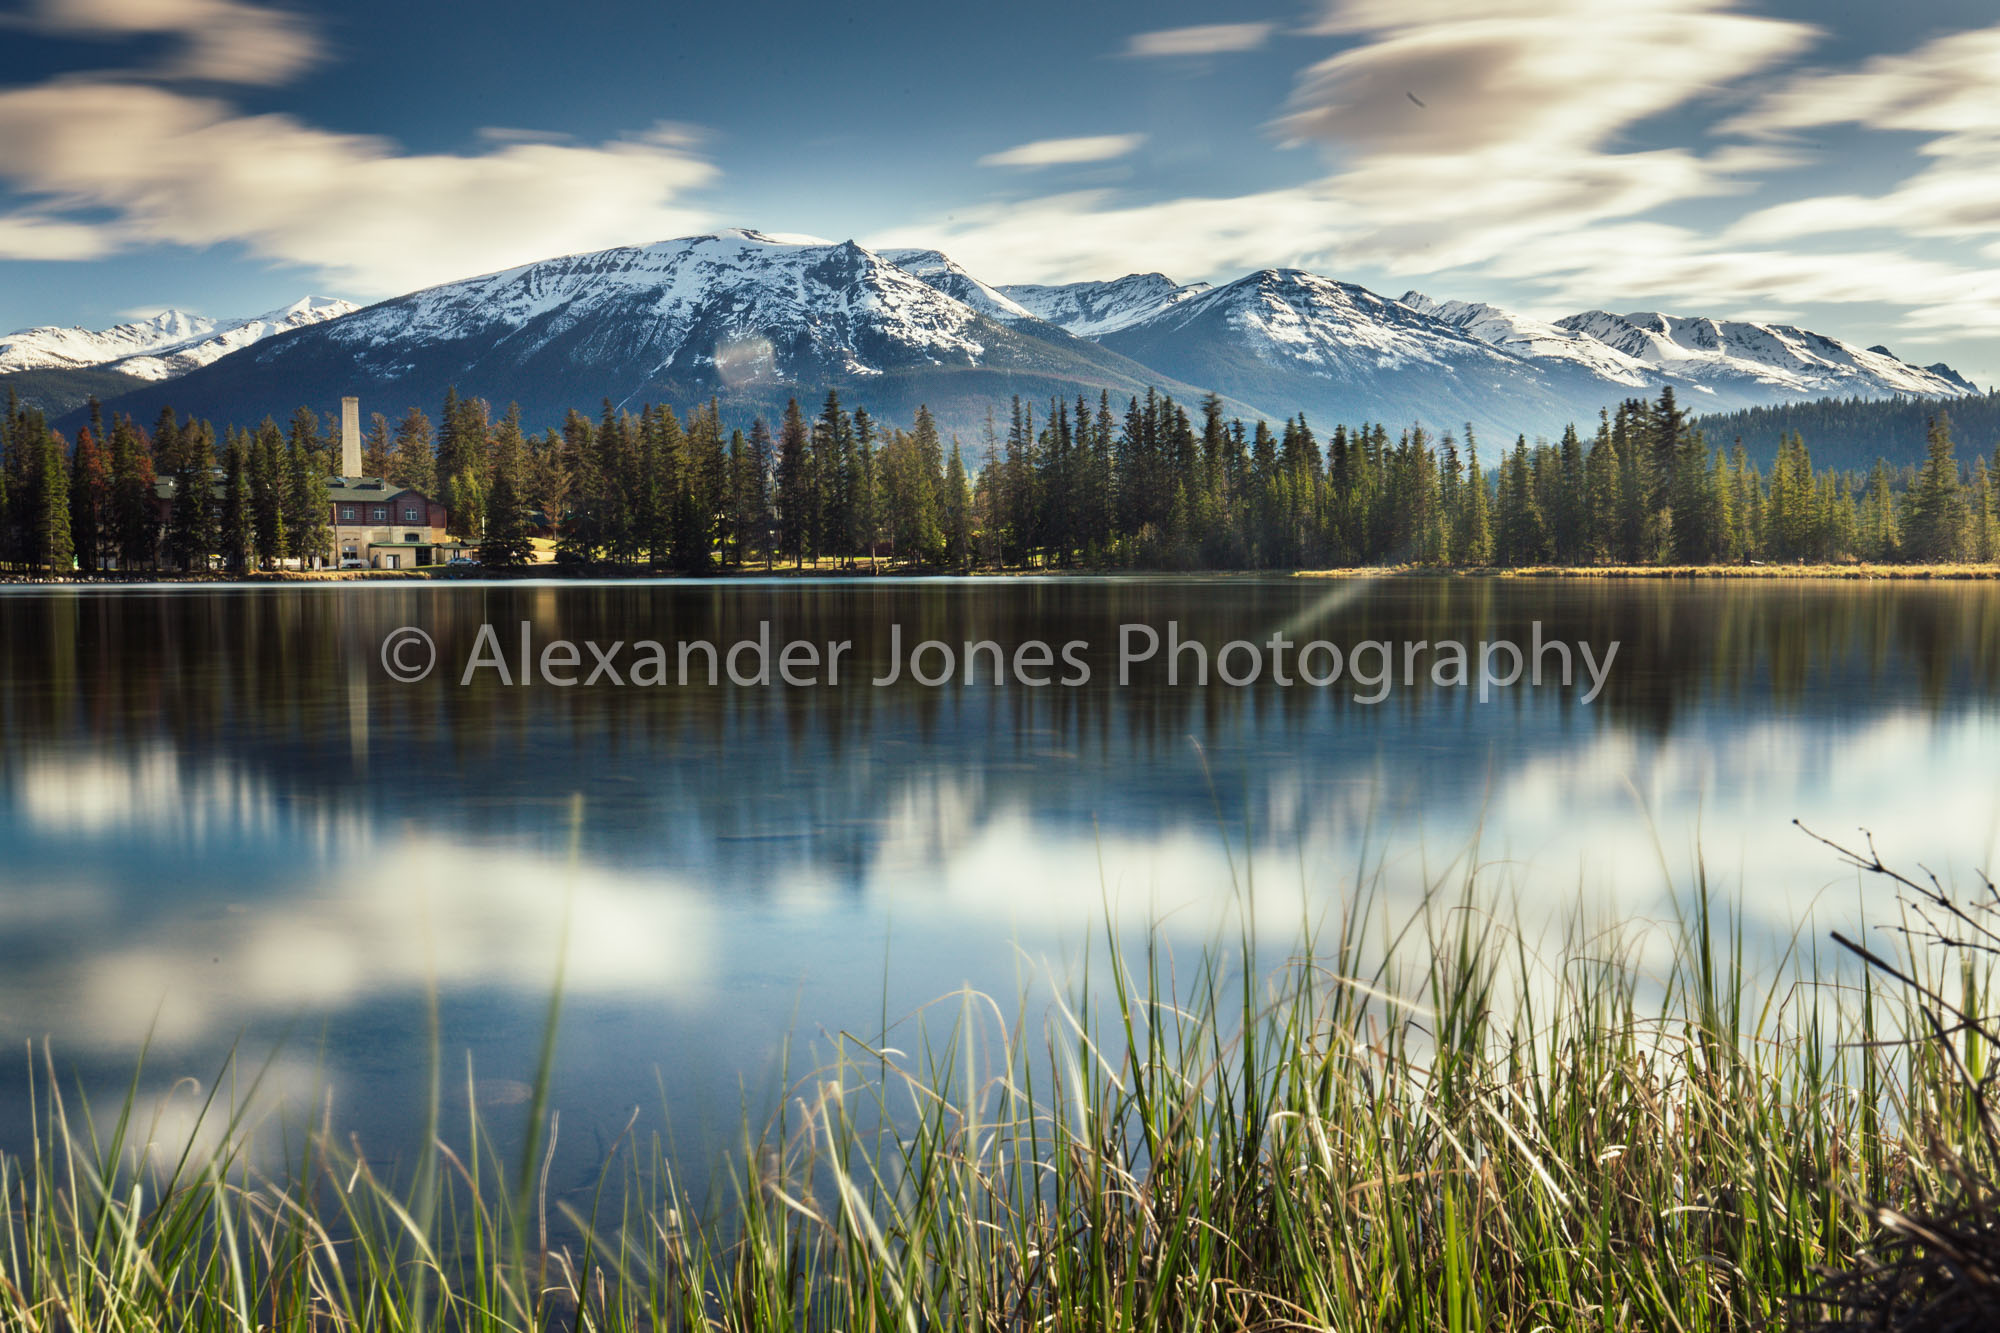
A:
(1093, 309)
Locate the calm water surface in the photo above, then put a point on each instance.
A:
(221, 821)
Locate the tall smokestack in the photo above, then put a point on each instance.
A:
(350, 437)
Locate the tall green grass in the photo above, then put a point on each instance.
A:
(1415, 1121)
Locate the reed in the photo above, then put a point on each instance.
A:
(1415, 1119)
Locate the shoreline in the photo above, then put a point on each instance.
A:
(1836, 573)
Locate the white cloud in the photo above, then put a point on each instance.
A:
(1950, 89)
(1201, 40)
(225, 40)
(30, 235)
(1064, 152)
(194, 171)
(1510, 143)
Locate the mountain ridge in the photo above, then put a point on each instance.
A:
(753, 318)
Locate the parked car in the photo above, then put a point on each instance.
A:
(352, 563)
(461, 560)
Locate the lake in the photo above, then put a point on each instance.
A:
(224, 822)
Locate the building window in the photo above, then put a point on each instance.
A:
(412, 537)
(347, 513)
(381, 514)
(412, 515)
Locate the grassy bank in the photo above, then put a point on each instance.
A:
(1854, 571)
(834, 569)
(1420, 1122)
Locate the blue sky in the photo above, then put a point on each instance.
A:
(1833, 164)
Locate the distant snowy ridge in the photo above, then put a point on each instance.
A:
(1781, 359)
(941, 272)
(1093, 309)
(161, 347)
(1534, 340)
(755, 319)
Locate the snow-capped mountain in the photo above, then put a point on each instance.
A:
(755, 319)
(750, 318)
(1093, 309)
(1339, 352)
(1761, 363)
(1547, 344)
(161, 347)
(939, 270)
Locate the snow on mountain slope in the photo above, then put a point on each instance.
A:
(1333, 328)
(1537, 341)
(942, 272)
(1296, 341)
(1772, 361)
(51, 348)
(745, 317)
(1093, 309)
(690, 304)
(168, 344)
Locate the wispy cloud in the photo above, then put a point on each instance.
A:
(1065, 152)
(193, 171)
(1948, 89)
(1205, 39)
(225, 41)
(1501, 144)
(32, 235)
(116, 161)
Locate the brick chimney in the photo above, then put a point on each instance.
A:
(350, 437)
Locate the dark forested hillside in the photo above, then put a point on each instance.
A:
(1849, 434)
(60, 391)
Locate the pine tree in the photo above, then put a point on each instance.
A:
(795, 488)
(757, 518)
(1523, 532)
(187, 454)
(375, 456)
(866, 498)
(462, 464)
(235, 533)
(89, 500)
(267, 494)
(1602, 471)
(1474, 538)
(53, 549)
(580, 540)
(956, 512)
(308, 503)
(1982, 538)
(1935, 514)
(507, 544)
(414, 462)
(135, 516)
(1880, 538)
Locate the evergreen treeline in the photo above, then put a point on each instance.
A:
(1153, 485)
(1851, 433)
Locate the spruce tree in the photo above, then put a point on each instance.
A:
(89, 498)
(795, 488)
(1474, 539)
(866, 500)
(376, 459)
(135, 513)
(1880, 538)
(186, 454)
(267, 494)
(235, 532)
(53, 549)
(1935, 515)
(507, 543)
(956, 512)
(413, 463)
